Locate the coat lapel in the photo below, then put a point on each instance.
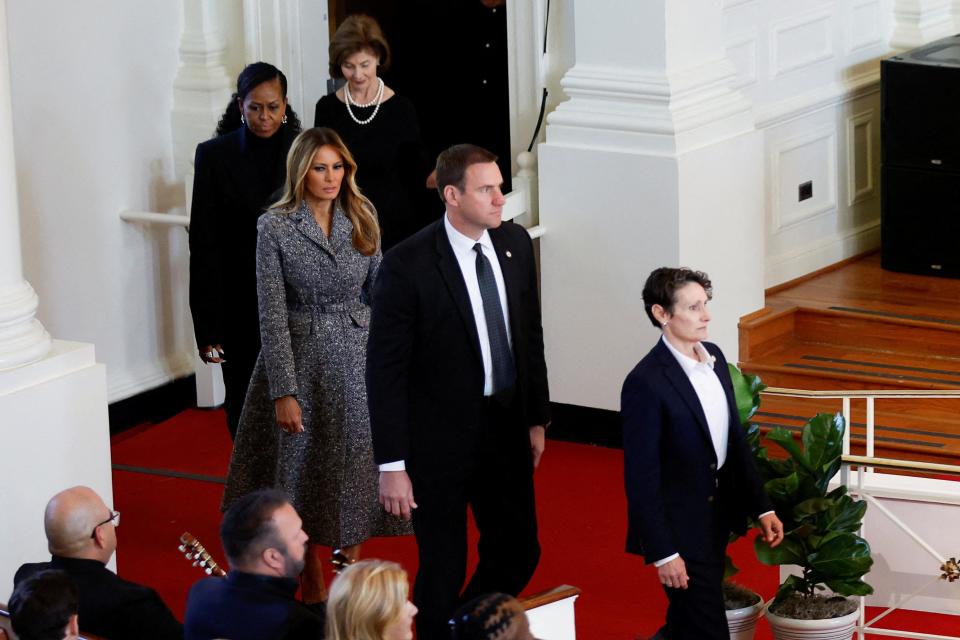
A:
(303, 218)
(675, 374)
(453, 277)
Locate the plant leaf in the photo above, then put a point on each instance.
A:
(849, 587)
(783, 490)
(729, 569)
(790, 551)
(789, 586)
(823, 440)
(785, 439)
(746, 391)
(841, 556)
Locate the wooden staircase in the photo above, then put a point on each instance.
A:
(824, 344)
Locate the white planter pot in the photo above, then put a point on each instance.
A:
(829, 629)
(743, 622)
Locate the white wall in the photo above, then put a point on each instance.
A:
(92, 91)
(812, 71)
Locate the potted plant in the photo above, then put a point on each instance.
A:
(744, 606)
(820, 534)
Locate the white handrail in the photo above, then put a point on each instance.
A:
(154, 217)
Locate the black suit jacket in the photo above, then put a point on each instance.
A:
(109, 605)
(677, 500)
(229, 194)
(244, 606)
(424, 369)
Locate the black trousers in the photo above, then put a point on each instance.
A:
(697, 612)
(497, 484)
(237, 369)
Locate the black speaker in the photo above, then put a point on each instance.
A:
(920, 153)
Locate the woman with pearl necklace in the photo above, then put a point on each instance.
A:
(378, 126)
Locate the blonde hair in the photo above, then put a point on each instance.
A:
(358, 209)
(364, 599)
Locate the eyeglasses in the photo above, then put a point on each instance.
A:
(114, 518)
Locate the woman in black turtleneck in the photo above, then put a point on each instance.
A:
(236, 175)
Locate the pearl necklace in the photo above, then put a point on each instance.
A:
(376, 101)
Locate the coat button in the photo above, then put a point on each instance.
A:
(713, 466)
(709, 498)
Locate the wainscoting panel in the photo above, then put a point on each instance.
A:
(808, 157)
(861, 157)
(801, 41)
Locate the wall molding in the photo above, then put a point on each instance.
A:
(852, 20)
(122, 384)
(747, 42)
(862, 119)
(784, 267)
(794, 23)
(826, 96)
(656, 113)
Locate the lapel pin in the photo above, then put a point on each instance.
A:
(509, 255)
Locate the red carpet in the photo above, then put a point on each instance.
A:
(580, 507)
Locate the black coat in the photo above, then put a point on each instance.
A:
(109, 605)
(424, 369)
(230, 191)
(677, 500)
(244, 606)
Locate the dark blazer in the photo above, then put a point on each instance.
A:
(244, 606)
(109, 605)
(229, 194)
(424, 369)
(677, 500)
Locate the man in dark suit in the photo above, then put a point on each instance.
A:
(81, 534)
(457, 387)
(689, 474)
(265, 543)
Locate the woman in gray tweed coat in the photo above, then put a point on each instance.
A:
(305, 427)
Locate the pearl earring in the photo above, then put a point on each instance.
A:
(242, 121)
(284, 119)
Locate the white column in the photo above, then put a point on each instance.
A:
(654, 161)
(22, 337)
(916, 22)
(53, 395)
(202, 86)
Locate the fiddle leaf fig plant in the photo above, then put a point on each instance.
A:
(820, 526)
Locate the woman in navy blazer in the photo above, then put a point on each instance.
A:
(689, 475)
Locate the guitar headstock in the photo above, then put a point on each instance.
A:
(194, 551)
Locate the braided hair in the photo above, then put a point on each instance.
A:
(495, 616)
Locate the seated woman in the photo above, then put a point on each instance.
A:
(495, 616)
(368, 601)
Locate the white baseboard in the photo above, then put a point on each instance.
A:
(122, 384)
(822, 253)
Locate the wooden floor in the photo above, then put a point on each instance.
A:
(860, 327)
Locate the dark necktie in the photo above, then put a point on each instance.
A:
(503, 369)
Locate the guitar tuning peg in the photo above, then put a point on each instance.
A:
(182, 548)
(208, 571)
(196, 564)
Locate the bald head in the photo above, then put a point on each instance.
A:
(69, 520)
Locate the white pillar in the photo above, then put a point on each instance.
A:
(202, 86)
(54, 431)
(654, 161)
(916, 22)
(22, 337)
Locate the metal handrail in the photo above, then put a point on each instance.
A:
(862, 393)
(866, 465)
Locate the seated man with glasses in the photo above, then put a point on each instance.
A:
(82, 536)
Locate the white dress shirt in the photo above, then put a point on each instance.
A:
(467, 260)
